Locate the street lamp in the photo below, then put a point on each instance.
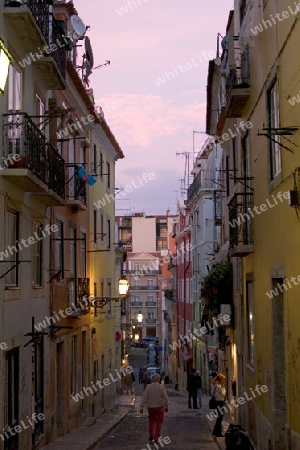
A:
(5, 60)
(99, 302)
(139, 317)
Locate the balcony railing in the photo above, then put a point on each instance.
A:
(238, 86)
(240, 225)
(144, 288)
(60, 54)
(76, 188)
(150, 320)
(151, 304)
(136, 303)
(143, 272)
(23, 138)
(204, 179)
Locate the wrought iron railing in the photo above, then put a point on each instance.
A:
(56, 165)
(240, 219)
(204, 179)
(22, 137)
(60, 54)
(76, 186)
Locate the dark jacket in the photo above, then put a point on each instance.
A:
(198, 381)
(192, 383)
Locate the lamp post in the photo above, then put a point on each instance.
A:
(5, 60)
(99, 302)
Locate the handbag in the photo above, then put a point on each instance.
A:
(213, 402)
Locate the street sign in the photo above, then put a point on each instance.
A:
(159, 349)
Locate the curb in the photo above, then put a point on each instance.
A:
(91, 446)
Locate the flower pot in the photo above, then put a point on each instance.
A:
(21, 162)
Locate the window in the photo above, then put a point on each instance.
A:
(38, 386)
(150, 298)
(136, 266)
(227, 176)
(150, 282)
(14, 88)
(95, 289)
(273, 122)
(101, 226)
(39, 110)
(12, 236)
(109, 295)
(73, 365)
(150, 315)
(37, 252)
(72, 252)
(108, 234)
(250, 321)
(107, 175)
(101, 165)
(150, 268)
(136, 283)
(234, 159)
(82, 255)
(136, 299)
(95, 227)
(59, 248)
(11, 397)
(95, 158)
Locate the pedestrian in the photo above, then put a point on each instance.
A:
(199, 388)
(192, 389)
(128, 378)
(156, 399)
(141, 376)
(219, 393)
(146, 377)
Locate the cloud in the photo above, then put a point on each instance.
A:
(141, 119)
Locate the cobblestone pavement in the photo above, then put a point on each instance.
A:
(186, 428)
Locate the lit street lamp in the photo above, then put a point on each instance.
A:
(139, 317)
(99, 302)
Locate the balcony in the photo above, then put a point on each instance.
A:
(76, 188)
(79, 301)
(142, 272)
(144, 288)
(240, 225)
(238, 87)
(37, 30)
(150, 320)
(136, 303)
(39, 168)
(152, 304)
(30, 19)
(203, 181)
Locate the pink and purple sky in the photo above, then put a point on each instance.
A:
(151, 119)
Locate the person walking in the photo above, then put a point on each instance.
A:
(192, 389)
(146, 379)
(141, 376)
(128, 379)
(219, 392)
(199, 388)
(156, 399)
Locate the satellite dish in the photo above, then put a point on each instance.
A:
(89, 52)
(78, 26)
(88, 69)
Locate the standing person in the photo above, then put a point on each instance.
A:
(192, 389)
(128, 378)
(156, 399)
(199, 388)
(219, 392)
(146, 377)
(141, 376)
